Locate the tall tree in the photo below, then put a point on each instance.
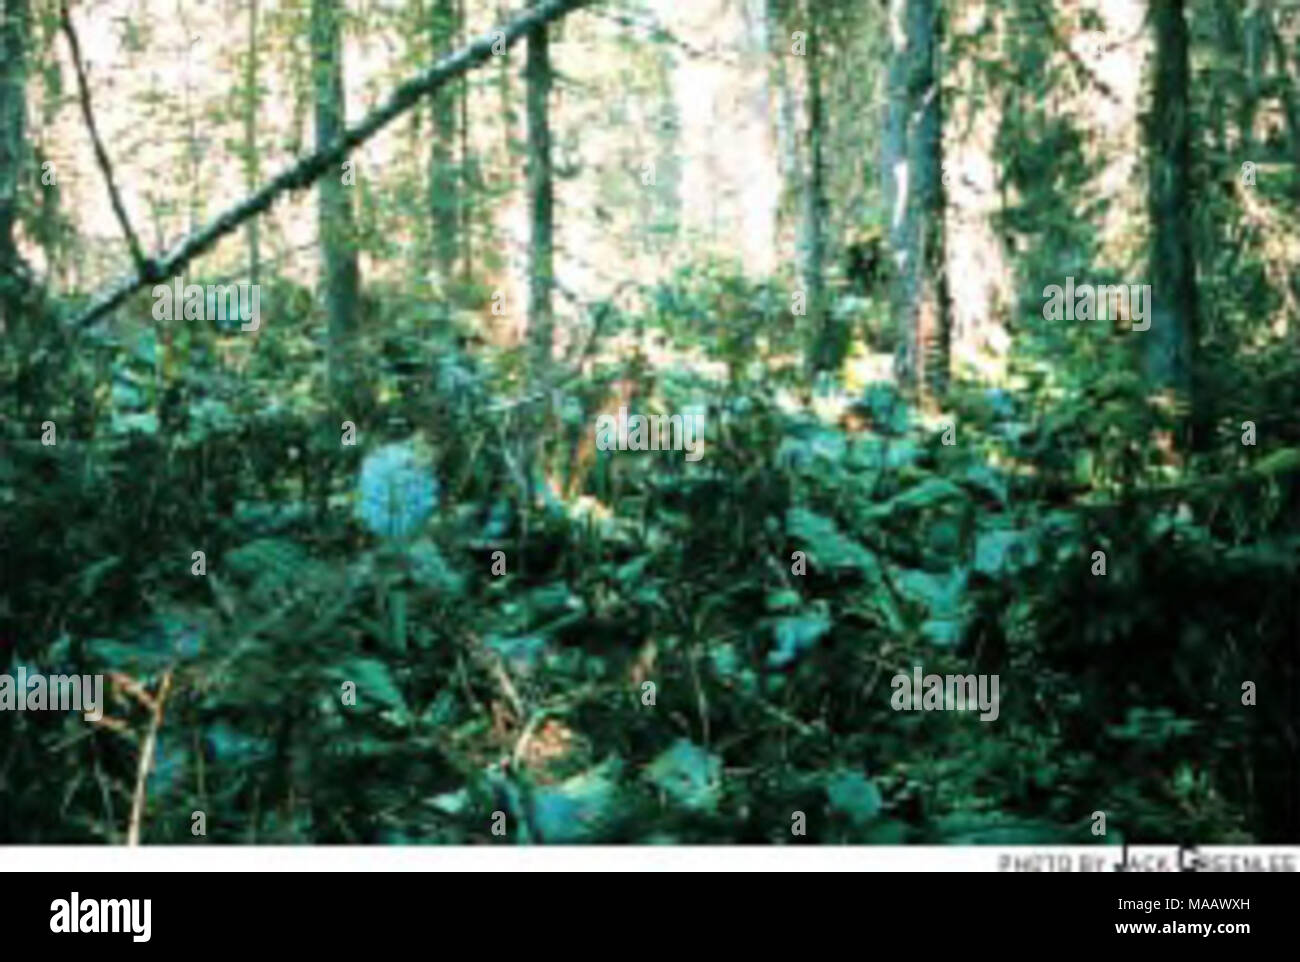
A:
(788, 110)
(468, 169)
(912, 162)
(1253, 42)
(15, 34)
(337, 233)
(1169, 342)
(444, 185)
(925, 148)
(541, 273)
(893, 163)
(252, 173)
(826, 352)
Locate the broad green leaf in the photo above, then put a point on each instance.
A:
(375, 684)
(928, 493)
(783, 599)
(452, 803)
(943, 598)
(795, 635)
(230, 745)
(428, 567)
(633, 571)
(688, 775)
(987, 479)
(854, 795)
(579, 810)
(1004, 550)
(523, 652)
(827, 545)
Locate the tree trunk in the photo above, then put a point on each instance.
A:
(540, 190)
(15, 30)
(894, 185)
(252, 173)
(828, 349)
(1169, 342)
(925, 158)
(444, 189)
(467, 178)
(912, 171)
(788, 111)
(1252, 35)
(337, 234)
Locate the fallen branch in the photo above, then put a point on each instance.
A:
(146, 760)
(142, 263)
(307, 170)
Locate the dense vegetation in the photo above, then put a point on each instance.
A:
(628, 646)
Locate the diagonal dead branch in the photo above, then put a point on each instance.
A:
(307, 170)
(142, 263)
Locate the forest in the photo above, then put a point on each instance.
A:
(653, 422)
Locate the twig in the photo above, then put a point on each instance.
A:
(307, 170)
(133, 688)
(109, 817)
(145, 266)
(658, 32)
(803, 727)
(115, 725)
(1075, 60)
(464, 681)
(526, 737)
(571, 371)
(516, 472)
(146, 760)
(701, 701)
(493, 662)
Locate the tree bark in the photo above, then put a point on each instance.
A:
(252, 169)
(894, 179)
(540, 189)
(925, 151)
(788, 112)
(827, 351)
(1169, 342)
(15, 34)
(337, 231)
(444, 186)
(912, 181)
(467, 169)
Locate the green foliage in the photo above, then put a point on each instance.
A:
(523, 693)
(332, 568)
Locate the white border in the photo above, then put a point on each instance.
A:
(511, 858)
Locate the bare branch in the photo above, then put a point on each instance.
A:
(142, 263)
(1082, 69)
(146, 759)
(658, 32)
(307, 170)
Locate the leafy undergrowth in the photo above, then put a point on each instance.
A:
(683, 652)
